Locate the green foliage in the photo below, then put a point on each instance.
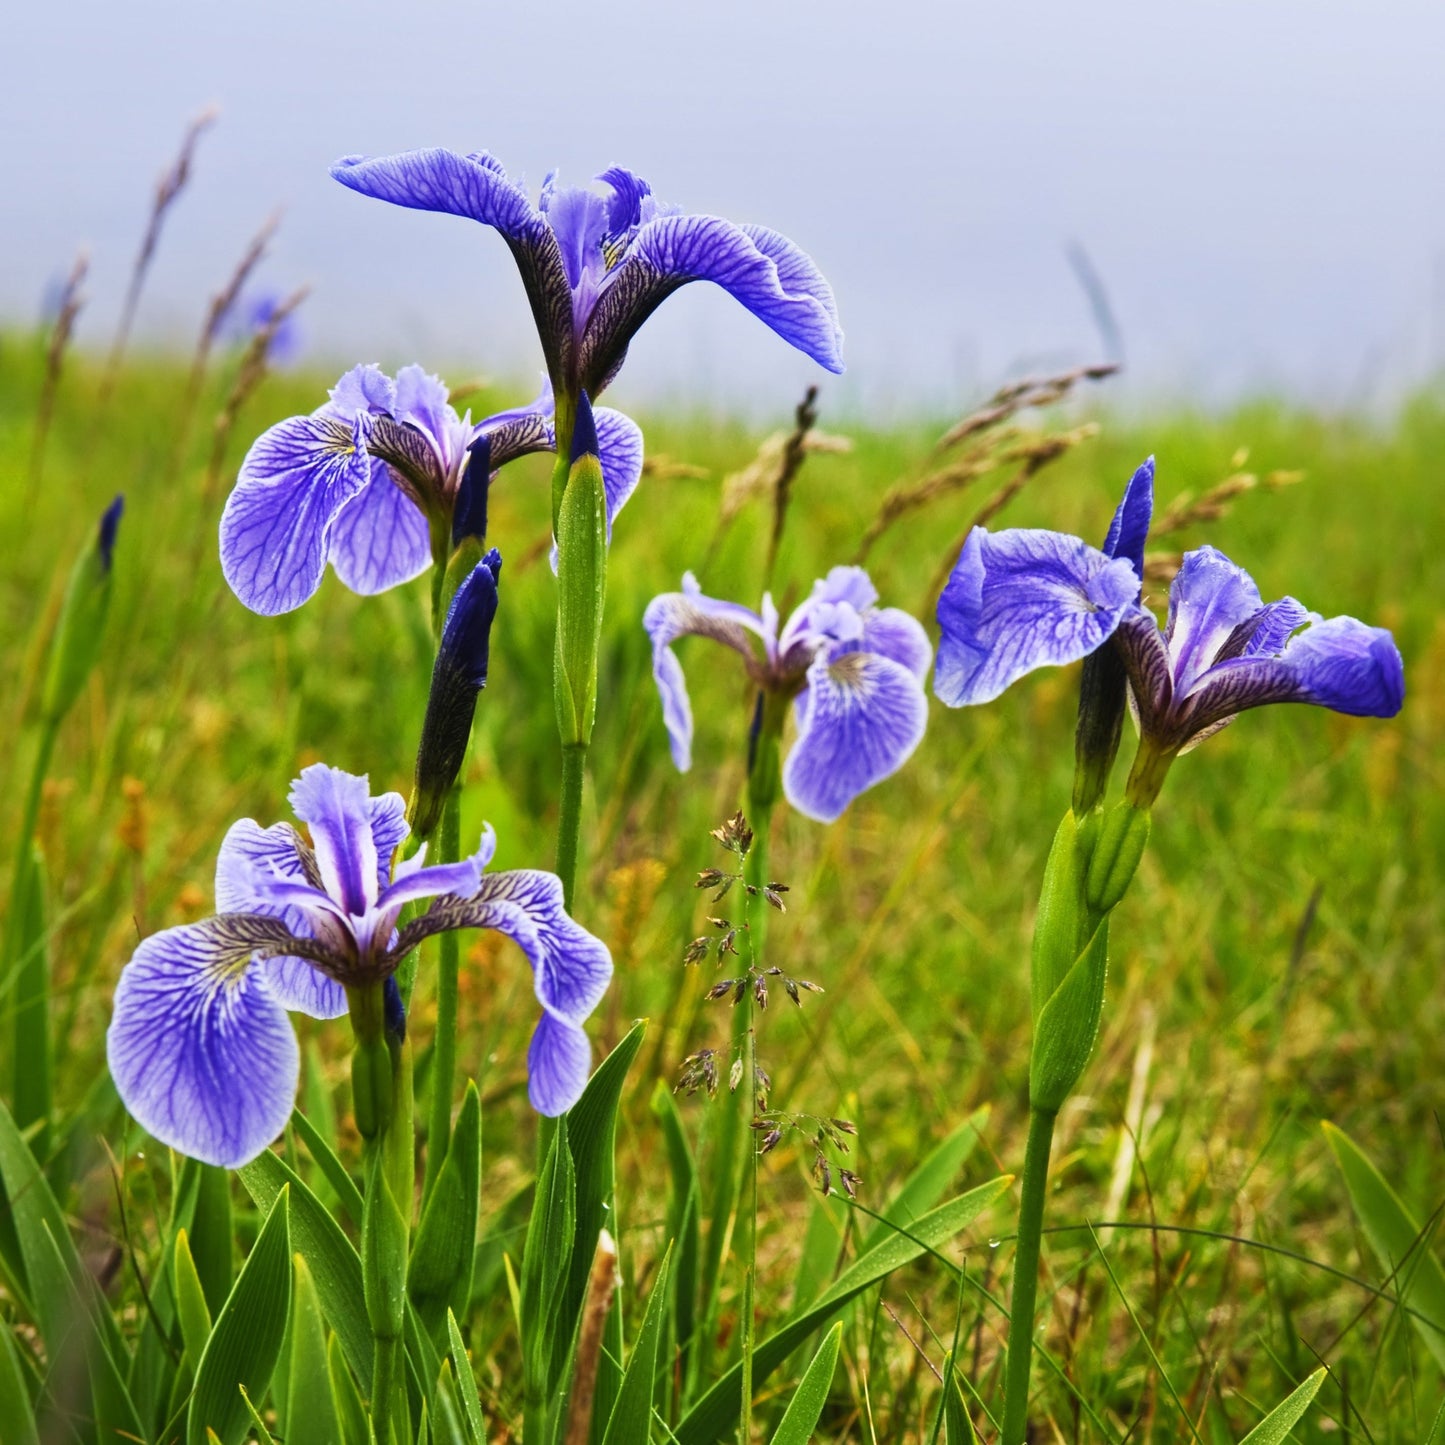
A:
(1275, 1427)
(630, 1419)
(801, 1417)
(439, 1274)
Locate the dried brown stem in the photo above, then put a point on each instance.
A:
(71, 301)
(795, 450)
(172, 182)
(1033, 391)
(601, 1286)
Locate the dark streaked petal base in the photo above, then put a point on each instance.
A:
(859, 719)
(201, 1053)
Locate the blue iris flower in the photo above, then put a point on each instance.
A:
(370, 482)
(1022, 599)
(855, 669)
(597, 261)
(199, 1044)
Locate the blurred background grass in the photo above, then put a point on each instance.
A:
(1279, 961)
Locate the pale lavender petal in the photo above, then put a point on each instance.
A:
(389, 830)
(559, 1059)
(1129, 528)
(363, 391)
(201, 1053)
(247, 850)
(421, 401)
(336, 807)
(1209, 598)
(859, 719)
(302, 988)
(769, 275)
(1339, 663)
(619, 442)
(463, 878)
(380, 538)
(846, 584)
(276, 529)
(895, 634)
(1022, 599)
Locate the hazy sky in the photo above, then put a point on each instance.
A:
(1259, 183)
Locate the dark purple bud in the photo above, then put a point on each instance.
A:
(109, 524)
(469, 515)
(459, 674)
(584, 431)
(395, 1010)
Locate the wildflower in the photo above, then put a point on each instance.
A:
(199, 1044)
(855, 670)
(597, 261)
(250, 314)
(376, 482)
(1022, 599)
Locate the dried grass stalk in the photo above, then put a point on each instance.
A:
(71, 301)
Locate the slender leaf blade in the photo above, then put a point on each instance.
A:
(801, 1417)
(1275, 1426)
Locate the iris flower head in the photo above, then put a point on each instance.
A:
(855, 670)
(597, 260)
(1022, 599)
(374, 480)
(199, 1044)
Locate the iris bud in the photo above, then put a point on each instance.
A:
(78, 634)
(1116, 856)
(458, 675)
(1103, 696)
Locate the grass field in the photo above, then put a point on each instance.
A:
(1278, 962)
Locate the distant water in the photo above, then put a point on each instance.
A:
(1257, 184)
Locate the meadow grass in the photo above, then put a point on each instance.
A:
(1277, 963)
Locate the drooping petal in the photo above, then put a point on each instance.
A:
(1129, 529)
(1340, 663)
(276, 529)
(1022, 599)
(895, 634)
(559, 1060)
(769, 275)
(689, 613)
(201, 1053)
(476, 186)
(1209, 598)
(256, 872)
(619, 441)
(859, 718)
(336, 807)
(380, 538)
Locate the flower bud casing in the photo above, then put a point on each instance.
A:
(78, 634)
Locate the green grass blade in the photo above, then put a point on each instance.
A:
(682, 1220)
(32, 1006)
(191, 1308)
(630, 1420)
(466, 1383)
(1437, 1430)
(335, 1264)
(717, 1411)
(801, 1417)
(439, 1275)
(17, 1417)
(354, 1427)
(1397, 1241)
(311, 1413)
(1275, 1426)
(246, 1341)
(957, 1422)
(213, 1234)
(336, 1173)
(550, 1236)
(263, 1435)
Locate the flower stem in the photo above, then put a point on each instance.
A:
(444, 1049)
(1026, 1278)
(569, 818)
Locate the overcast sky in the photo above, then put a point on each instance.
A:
(1258, 183)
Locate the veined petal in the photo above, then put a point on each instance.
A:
(688, 613)
(462, 878)
(619, 444)
(895, 634)
(1022, 599)
(422, 401)
(559, 1060)
(1146, 661)
(364, 391)
(389, 831)
(247, 850)
(336, 807)
(1129, 529)
(1340, 663)
(766, 272)
(380, 538)
(276, 529)
(301, 987)
(1209, 598)
(859, 718)
(476, 186)
(201, 1053)
(520, 431)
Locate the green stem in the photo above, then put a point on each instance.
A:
(444, 1049)
(49, 731)
(569, 818)
(1026, 1278)
(385, 1358)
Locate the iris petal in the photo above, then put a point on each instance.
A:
(336, 806)
(380, 538)
(202, 1054)
(559, 1059)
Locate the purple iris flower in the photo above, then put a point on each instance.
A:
(597, 261)
(199, 1044)
(1022, 599)
(370, 483)
(855, 669)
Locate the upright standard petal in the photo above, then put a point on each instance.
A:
(764, 271)
(380, 538)
(1022, 599)
(337, 808)
(689, 613)
(1209, 598)
(1129, 529)
(276, 528)
(201, 1053)
(859, 719)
